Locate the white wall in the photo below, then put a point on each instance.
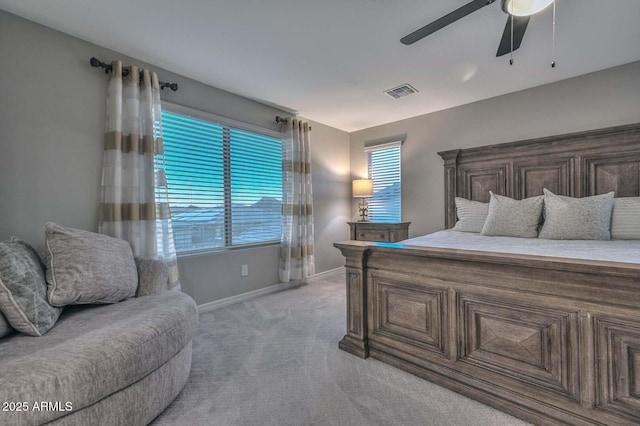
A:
(602, 99)
(52, 108)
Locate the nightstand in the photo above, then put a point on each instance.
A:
(382, 232)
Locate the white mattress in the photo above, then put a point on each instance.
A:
(627, 251)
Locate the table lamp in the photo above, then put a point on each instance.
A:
(363, 189)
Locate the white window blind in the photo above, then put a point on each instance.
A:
(225, 184)
(384, 169)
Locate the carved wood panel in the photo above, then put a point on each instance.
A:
(354, 301)
(618, 363)
(450, 181)
(530, 344)
(531, 177)
(613, 174)
(416, 315)
(478, 183)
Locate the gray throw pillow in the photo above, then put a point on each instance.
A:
(23, 290)
(471, 215)
(153, 276)
(85, 267)
(5, 327)
(625, 219)
(513, 218)
(568, 218)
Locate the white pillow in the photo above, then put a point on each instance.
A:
(513, 218)
(625, 219)
(471, 215)
(568, 218)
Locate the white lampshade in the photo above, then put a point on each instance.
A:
(362, 188)
(524, 7)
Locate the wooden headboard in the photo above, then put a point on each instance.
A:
(576, 164)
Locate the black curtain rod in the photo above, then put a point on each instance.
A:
(97, 63)
(281, 120)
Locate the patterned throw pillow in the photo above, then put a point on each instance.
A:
(568, 218)
(513, 218)
(471, 215)
(23, 290)
(625, 219)
(85, 267)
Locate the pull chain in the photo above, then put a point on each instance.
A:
(553, 42)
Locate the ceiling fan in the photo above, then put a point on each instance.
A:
(519, 12)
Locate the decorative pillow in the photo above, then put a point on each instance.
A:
(568, 218)
(23, 290)
(513, 218)
(153, 276)
(5, 327)
(85, 267)
(471, 215)
(625, 219)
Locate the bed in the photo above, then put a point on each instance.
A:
(549, 335)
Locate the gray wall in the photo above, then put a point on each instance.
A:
(601, 99)
(52, 108)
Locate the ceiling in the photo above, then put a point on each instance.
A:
(331, 60)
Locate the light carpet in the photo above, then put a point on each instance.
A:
(274, 360)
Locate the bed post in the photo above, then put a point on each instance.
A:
(450, 175)
(356, 341)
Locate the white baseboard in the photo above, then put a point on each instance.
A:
(210, 306)
(321, 275)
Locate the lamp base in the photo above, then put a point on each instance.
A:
(363, 208)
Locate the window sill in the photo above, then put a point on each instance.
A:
(220, 250)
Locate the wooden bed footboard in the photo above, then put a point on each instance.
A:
(552, 341)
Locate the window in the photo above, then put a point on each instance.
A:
(384, 169)
(225, 183)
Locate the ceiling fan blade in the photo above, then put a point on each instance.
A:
(445, 20)
(519, 26)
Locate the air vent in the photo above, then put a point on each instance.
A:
(401, 91)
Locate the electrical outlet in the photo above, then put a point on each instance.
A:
(245, 270)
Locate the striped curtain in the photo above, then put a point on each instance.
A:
(296, 245)
(134, 204)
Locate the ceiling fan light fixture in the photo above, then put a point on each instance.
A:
(524, 7)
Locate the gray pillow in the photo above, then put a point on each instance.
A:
(153, 276)
(85, 267)
(23, 290)
(5, 327)
(625, 219)
(513, 218)
(471, 215)
(568, 218)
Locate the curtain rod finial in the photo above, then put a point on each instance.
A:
(96, 63)
(172, 86)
